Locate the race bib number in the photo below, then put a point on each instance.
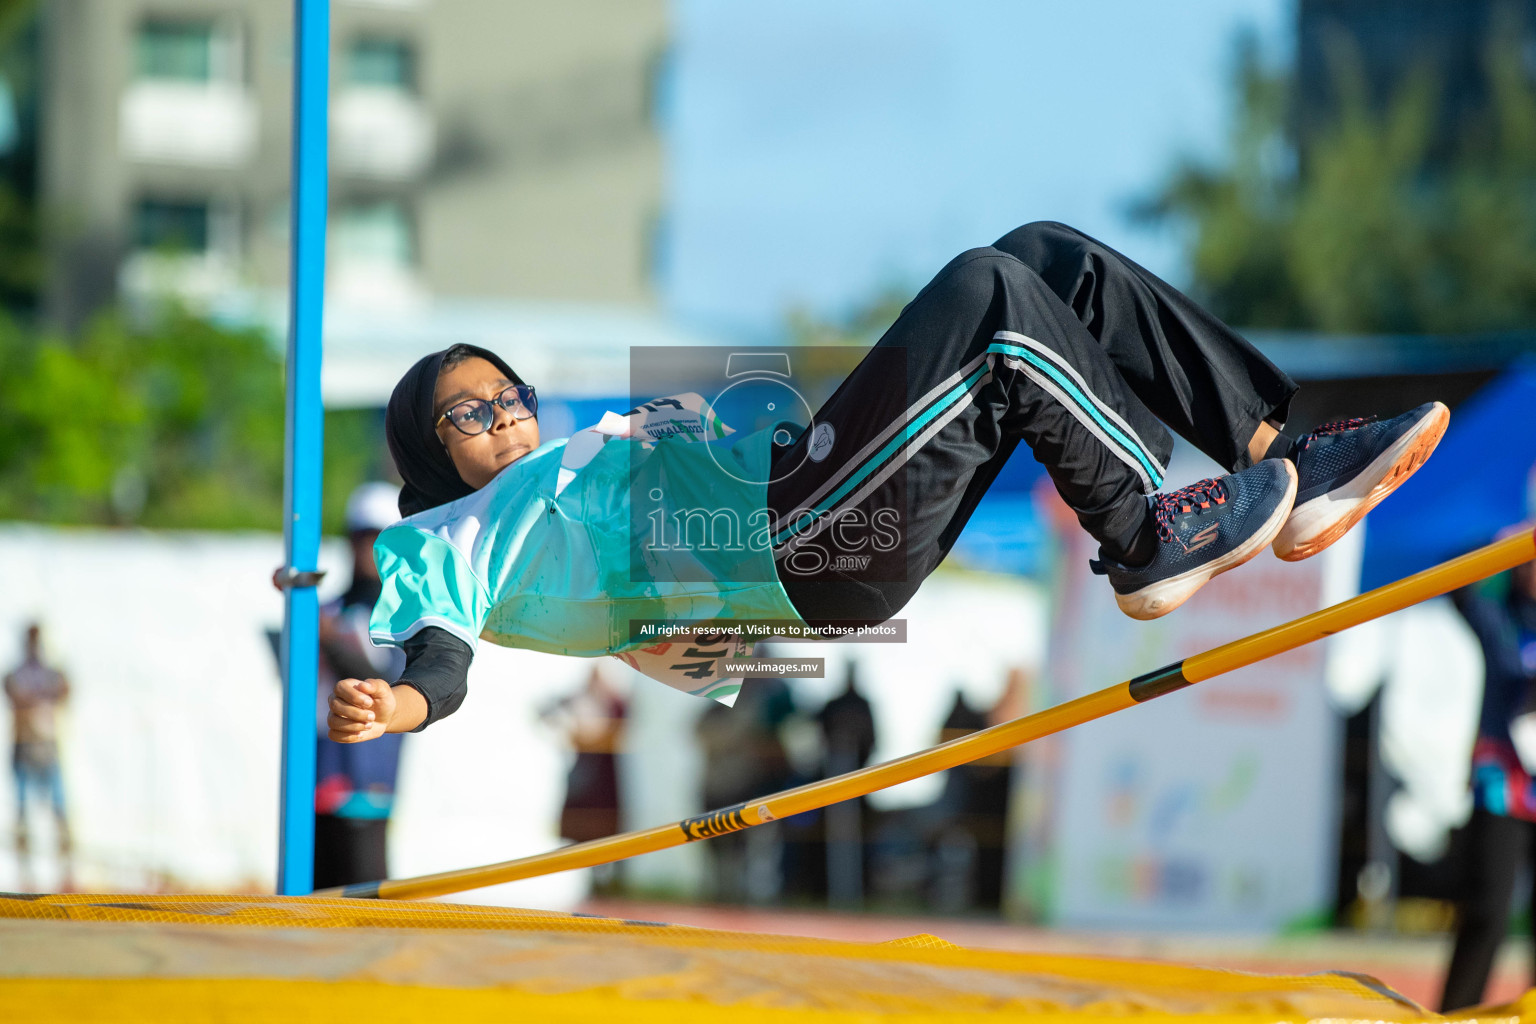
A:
(694, 664)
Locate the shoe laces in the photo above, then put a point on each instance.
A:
(1335, 427)
(1200, 494)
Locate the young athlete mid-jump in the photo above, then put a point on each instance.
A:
(1047, 337)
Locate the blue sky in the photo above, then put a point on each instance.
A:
(820, 151)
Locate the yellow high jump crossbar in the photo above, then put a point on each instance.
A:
(1440, 579)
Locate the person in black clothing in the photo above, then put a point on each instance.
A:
(1501, 837)
(848, 739)
(744, 756)
(847, 728)
(355, 786)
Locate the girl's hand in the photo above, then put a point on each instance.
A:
(361, 709)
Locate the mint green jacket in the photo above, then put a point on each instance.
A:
(568, 555)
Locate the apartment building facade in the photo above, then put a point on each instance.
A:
(491, 161)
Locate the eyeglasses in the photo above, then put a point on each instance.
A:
(475, 415)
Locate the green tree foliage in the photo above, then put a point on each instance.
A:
(1375, 229)
(829, 347)
(175, 426)
(861, 325)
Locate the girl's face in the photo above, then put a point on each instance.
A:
(479, 457)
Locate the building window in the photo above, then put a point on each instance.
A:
(375, 234)
(187, 51)
(188, 102)
(380, 128)
(375, 256)
(178, 50)
(377, 62)
(183, 248)
(171, 227)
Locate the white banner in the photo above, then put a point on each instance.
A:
(171, 742)
(1213, 807)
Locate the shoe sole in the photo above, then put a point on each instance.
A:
(1316, 524)
(1159, 599)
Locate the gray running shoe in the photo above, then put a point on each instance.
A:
(1202, 531)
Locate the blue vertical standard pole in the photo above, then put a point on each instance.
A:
(302, 462)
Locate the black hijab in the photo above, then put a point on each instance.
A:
(420, 458)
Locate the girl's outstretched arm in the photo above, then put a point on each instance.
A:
(432, 686)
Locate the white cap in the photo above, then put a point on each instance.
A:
(373, 506)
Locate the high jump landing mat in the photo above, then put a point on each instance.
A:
(94, 957)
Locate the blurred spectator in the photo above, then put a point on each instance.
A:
(355, 782)
(848, 738)
(1501, 837)
(992, 787)
(952, 839)
(847, 728)
(970, 824)
(744, 757)
(593, 719)
(36, 692)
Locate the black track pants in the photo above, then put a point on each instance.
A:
(1046, 337)
(349, 850)
(1497, 848)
